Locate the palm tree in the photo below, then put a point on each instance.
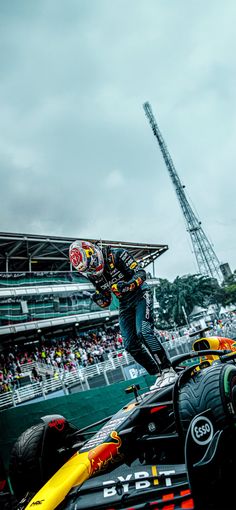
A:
(182, 295)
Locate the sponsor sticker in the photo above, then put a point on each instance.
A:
(202, 430)
(138, 480)
(57, 424)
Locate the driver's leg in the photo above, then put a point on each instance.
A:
(133, 343)
(146, 334)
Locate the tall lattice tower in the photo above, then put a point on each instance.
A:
(207, 261)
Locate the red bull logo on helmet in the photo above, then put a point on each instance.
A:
(77, 256)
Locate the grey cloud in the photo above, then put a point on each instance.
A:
(73, 79)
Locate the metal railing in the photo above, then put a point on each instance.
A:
(82, 377)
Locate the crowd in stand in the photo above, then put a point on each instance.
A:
(67, 354)
(59, 355)
(10, 372)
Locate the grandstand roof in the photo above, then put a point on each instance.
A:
(29, 252)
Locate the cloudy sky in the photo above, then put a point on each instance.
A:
(77, 154)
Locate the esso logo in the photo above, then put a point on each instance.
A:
(202, 430)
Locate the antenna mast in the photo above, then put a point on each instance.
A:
(207, 261)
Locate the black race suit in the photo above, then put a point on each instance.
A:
(135, 307)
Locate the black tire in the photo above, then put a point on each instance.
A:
(211, 388)
(24, 468)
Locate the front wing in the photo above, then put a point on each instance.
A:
(134, 487)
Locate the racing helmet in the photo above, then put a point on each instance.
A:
(86, 257)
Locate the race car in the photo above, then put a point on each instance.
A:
(202, 341)
(172, 448)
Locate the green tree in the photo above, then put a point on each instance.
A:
(229, 294)
(182, 295)
(163, 294)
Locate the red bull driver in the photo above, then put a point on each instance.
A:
(116, 271)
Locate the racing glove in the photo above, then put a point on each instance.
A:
(102, 300)
(121, 288)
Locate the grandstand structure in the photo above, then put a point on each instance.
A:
(42, 297)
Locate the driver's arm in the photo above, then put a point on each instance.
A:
(131, 267)
(102, 299)
(102, 296)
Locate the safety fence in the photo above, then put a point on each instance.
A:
(115, 369)
(99, 374)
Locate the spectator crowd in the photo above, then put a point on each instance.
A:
(66, 354)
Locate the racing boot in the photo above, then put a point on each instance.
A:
(166, 377)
